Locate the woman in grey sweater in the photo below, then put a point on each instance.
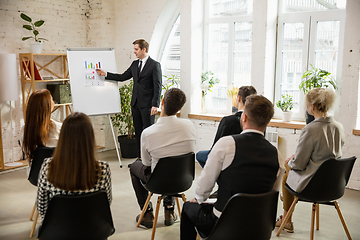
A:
(320, 140)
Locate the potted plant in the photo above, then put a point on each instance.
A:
(124, 122)
(232, 94)
(170, 81)
(37, 45)
(207, 82)
(286, 104)
(316, 78)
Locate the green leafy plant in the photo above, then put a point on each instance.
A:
(32, 28)
(286, 103)
(124, 121)
(171, 81)
(208, 81)
(316, 78)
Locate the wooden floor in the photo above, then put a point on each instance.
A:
(17, 198)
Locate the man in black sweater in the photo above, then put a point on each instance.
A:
(241, 163)
(229, 125)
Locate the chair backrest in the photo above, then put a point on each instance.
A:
(247, 216)
(172, 175)
(39, 155)
(85, 216)
(329, 181)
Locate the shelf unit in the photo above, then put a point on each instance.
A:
(28, 81)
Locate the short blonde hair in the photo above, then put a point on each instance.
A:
(322, 98)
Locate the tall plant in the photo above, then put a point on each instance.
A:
(171, 81)
(124, 121)
(316, 78)
(32, 28)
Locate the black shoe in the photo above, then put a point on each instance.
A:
(138, 159)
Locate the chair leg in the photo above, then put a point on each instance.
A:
(317, 216)
(313, 211)
(34, 223)
(156, 218)
(178, 206)
(342, 220)
(144, 209)
(183, 197)
(32, 212)
(291, 210)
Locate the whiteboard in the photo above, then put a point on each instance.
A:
(90, 93)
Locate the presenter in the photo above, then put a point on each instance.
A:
(146, 74)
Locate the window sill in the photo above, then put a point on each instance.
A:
(356, 132)
(273, 123)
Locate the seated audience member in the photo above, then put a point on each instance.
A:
(320, 140)
(169, 136)
(228, 125)
(241, 163)
(39, 129)
(73, 169)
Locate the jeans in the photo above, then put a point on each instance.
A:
(202, 156)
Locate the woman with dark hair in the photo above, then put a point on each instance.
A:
(320, 140)
(39, 129)
(73, 169)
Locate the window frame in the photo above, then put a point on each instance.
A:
(310, 20)
(231, 43)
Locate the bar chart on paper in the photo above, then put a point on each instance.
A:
(92, 79)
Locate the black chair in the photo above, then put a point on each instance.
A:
(171, 176)
(326, 186)
(77, 217)
(246, 216)
(39, 155)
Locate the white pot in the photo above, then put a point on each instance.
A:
(286, 116)
(35, 47)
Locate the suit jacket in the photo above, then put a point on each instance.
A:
(228, 125)
(320, 140)
(147, 83)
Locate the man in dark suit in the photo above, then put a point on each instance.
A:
(146, 74)
(229, 125)
(240, 163)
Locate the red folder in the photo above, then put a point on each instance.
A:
(26, 66)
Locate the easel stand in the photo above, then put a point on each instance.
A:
(116, 143)
(113, 133)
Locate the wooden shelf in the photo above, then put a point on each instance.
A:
(27, 69)
(24, 163)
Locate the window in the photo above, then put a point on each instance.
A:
(170, 56)
(227, 53)
(307, 34)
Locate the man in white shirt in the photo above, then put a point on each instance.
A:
(169, 136)
(241, 163)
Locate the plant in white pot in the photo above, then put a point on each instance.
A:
(37, 45)
(286, 104)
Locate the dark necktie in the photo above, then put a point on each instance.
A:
(139, 70)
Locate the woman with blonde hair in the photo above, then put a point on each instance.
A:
(73, 169)
(39, 129)
(320, 140)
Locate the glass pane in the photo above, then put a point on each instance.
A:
(242, 54)
(217, 58)
(327, 44)
(312, 5)
(170, 59)
(291, 63)
(230, 8)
